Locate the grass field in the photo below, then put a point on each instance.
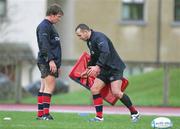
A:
(26, 120)
(144, 90)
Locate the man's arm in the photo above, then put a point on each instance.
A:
(104, 51)
(44, 39)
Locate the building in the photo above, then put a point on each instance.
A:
(143, 31)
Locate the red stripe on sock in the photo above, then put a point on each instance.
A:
(98, 101)
(46, 104)
(99, 114)
(132, 109)
(46, 99)
(40, 99)
(40, 113)
(40, 104)
(46, 110)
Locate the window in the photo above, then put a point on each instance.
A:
(2, 8)
(133, 10)
(177, 11)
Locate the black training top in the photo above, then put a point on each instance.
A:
(103, 53)
(49, 43)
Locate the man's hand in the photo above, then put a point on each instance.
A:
(84, 74)
(52, 66)
(93, 70)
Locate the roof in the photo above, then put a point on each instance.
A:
(10, 53)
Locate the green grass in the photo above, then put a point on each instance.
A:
(26, 120)
(144, 90)
(147, 89)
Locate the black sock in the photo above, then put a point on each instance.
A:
(127, 102)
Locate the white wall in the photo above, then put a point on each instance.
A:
(23, 16)
(20, 27)
(66, 28)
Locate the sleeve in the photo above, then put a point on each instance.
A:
(92, 61)
(103, 47)
(44, 39)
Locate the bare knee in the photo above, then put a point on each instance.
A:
(42, 85)
(49, 84)
(117, 94)
(97, 86)
(95, 90)
(115, 87)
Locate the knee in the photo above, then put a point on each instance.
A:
(118, 94)
(95, 90)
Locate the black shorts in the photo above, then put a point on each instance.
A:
(108, 76)
(45, 71)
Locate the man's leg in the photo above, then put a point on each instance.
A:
(97, 99)
(47, 93)
(115, 86)
(40, 100)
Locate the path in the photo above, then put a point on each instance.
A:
(158, 111)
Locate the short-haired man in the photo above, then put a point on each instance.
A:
(49, 59)
(107, 66)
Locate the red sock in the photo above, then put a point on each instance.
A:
(40, 104)
(98, 103)
(46, 103)
(132, 110)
